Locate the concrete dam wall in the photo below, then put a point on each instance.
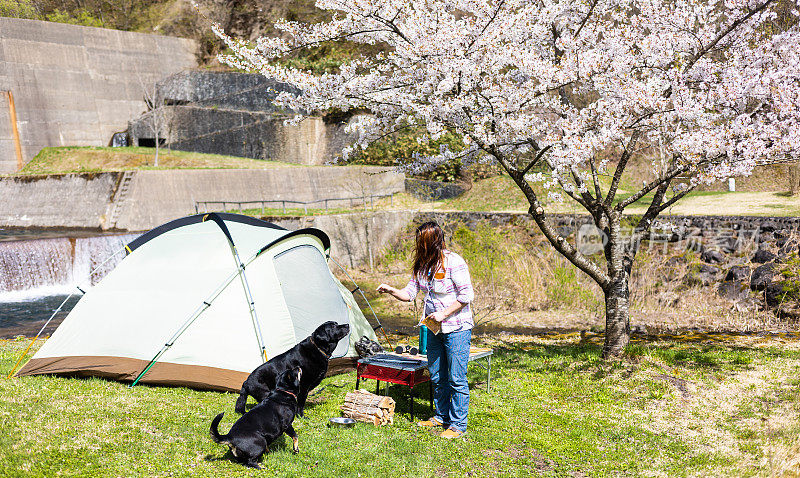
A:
(74, 85)
(142, 200)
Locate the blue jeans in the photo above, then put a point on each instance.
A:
(448, 355)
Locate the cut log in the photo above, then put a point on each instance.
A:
(368, 408)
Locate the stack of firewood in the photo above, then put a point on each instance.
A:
(367, 407)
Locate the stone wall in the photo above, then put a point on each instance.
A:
(75, 85)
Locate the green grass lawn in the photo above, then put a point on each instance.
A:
(95, 159)
(672, 408)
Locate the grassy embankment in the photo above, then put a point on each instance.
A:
(671, 408)
(492, 194)
(95, 159)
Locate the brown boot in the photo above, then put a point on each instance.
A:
(430, 423)
(452, 433)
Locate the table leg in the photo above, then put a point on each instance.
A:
(377, 387)
(411, 391)
(358, 380)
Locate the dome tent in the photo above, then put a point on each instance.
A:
(202, 301)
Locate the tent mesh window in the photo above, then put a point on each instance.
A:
(310, 292)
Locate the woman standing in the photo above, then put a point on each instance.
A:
(444, 278)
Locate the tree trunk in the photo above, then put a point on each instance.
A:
(617, 317)
(794, 179)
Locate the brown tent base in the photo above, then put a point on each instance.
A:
(126, 370)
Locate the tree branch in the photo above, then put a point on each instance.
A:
(536, 159)
(676, 198)
(537, 212)
(623, 161)
(669, 176)
(491, 20)
(595, 180)
(725, 33)
(586, 18)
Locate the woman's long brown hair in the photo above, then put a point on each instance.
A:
(429, 253)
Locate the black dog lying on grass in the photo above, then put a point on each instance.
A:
(250, 436)
(311, 354)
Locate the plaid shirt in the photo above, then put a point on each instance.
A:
(441, 293)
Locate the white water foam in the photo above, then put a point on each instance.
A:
(46, 267)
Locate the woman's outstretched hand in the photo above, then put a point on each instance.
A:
(385, 289)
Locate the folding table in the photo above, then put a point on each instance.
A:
(410, 370)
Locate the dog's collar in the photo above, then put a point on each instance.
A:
(288, 392)
(317, 346)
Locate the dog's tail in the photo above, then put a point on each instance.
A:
(215, 433)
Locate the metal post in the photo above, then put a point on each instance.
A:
(326, 205)
(392, 199)
(489, 375)
(284, 206)
(12, 110)
(305, 208)
(262, 208)
(240, 208)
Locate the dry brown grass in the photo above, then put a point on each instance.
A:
(521, 282)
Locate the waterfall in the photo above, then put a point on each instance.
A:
(36, 268)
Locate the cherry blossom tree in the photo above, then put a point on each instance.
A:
(572, 89)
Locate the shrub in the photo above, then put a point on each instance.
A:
(19, 9)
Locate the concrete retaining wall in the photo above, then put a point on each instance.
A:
(243, 133)
(234, 114)
(159, 196)
(149, 198)
(357, 239)
(69, 200)
(75, 85)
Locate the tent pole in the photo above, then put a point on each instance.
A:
(199, 311)
(365, 300)
(245, 284)
(251, 303)
(113, 254)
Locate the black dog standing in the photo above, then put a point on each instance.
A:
(311, 355)
(250, 436)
